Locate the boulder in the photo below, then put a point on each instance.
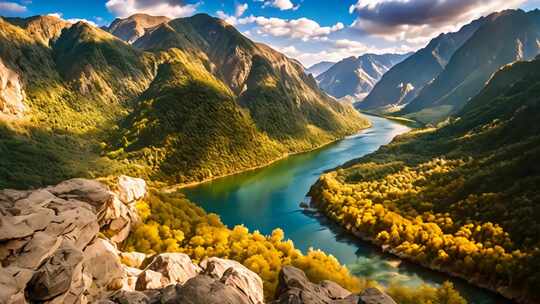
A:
(149, 279)
(133, 259)
(375, 296)
(237, 275)
(176, 267)
(54, 277)
(205, 289)
(49, 250)
(295, 288)
(131, 189)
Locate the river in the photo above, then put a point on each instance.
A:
(269, 198)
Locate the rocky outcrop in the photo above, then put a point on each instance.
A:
(11, 92)
(295, 288)
(50, 252)
(49, 248)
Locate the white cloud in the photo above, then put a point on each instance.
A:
(72, 20)
(417, 21)
(171, 9)
(281, 4)
(303, 28)
(8, 8)
(240, 9)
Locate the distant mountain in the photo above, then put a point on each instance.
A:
(132, 28)
(199, 101)
(319, 68)
(403, 82)
(356, 76)
(503, 38)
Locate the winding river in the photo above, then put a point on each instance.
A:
(269, 198)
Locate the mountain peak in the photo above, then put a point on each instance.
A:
(135, 26)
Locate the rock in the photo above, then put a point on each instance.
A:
(176, 267)
(295, 288)
(150, 279)
(205, 289)
(54, 277)
(375, 296)
(131, 189)
(129, 297)
(242, 278)
(49, 250)
(11, 93)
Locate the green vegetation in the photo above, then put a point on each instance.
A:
(98, 106)
(463, 198)
(171, 223)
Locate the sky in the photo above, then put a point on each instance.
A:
(307, 30)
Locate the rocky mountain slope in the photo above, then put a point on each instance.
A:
(134, 27)
(402, 83)
(79, 97)
(504, 37)
(319, 68)
(461, 198)
(356, 76)
(60, 245)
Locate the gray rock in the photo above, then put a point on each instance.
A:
(150, 279)
(240, 277)
(53, 278)
(375, 296)
(205, 289)
(295, 288)
(176, 267)
(11, 92)
(131, 189)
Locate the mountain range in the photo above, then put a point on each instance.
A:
(356, 76)
(319, 68)
(191, 99)
(438, 81)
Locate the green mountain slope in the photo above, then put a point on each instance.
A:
(405, 80)
(89, 104)
(463, 198)
(283, 101)
(504, 38)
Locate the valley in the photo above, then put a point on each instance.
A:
(172, 152)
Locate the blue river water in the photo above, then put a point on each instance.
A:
(269, 198)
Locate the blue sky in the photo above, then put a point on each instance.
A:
(308, 30)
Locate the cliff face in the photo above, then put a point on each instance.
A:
(11, 92)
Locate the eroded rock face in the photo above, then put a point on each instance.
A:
(49, 249)
(295, 288)
(11, 92)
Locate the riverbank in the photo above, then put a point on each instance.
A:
(511, 295)
(177, 187)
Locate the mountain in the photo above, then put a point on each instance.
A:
(283, 101)
(132, 28)
(203, 102)
(503, 38)
(356, 76)
(462, 198)
(405, 80)
(319, 68)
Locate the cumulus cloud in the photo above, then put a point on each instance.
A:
(281, 4)
(11, 8)
(418, 20)
(240, 9)
(169, 8)
(72, 20)
(302, 28)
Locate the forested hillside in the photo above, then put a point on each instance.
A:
(463, 198)
(189, 109)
